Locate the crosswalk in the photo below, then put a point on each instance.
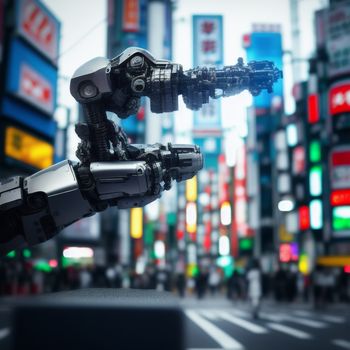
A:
(293, 324)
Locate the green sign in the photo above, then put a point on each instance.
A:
(27, 253)
(341, 218)
(245, 244)
(315, 151)
(11, 254)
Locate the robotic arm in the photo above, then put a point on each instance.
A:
(111, 171)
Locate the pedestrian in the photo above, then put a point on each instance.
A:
(201, 284)
(234, 289)
(213, 280)
(181, 284)
(254, 287)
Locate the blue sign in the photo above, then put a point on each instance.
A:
(29, 117)
(31, 78)
(266, 46)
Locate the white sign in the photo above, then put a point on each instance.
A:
(36, 89)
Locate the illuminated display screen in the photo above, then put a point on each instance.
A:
(316, 181)
(288, 252)
(27, 148)
(292, 135)
(341, 218)
(245, 244)
(136, 223)
(313, 109)
(304, 217)
(316, 217)
(340, 197)
(315, 151)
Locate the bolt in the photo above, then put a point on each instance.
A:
(136, 62)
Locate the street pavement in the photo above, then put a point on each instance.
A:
(220, 324)
(216, 323)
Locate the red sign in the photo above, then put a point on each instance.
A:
(340, 158)
(313, 109)
(304, 217)
(36, 89)
(223, 179)
(340, 167)
(38, 26)
(339, 99)
(240, 199)
(340, 197)
(288, 252)
(131, 16)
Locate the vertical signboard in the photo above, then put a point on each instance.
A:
(340, 167)
(338, 39)
(240, 192)
(208, 50)
(39, 27)
(340, 195)
(131, 16)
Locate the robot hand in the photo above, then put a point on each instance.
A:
(34, 209)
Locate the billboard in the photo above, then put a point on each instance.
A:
(240, 197)
(27, 148)
(131, 16)
(338, 39)
(339, 98)
(30, 78)
(208, 50)
(340, 167)
(207, 40)
(341, 221)
(38, 26)
(266, 46)
(29, 117)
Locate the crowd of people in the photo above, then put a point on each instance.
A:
(286, 284)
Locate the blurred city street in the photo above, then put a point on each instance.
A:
(219, 324)
(175, 174)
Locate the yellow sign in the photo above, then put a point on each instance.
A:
(335, 261)
(27, 148)
(136, 223)
(304, 266)
(191, 189)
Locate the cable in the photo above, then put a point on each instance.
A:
(82, 37)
